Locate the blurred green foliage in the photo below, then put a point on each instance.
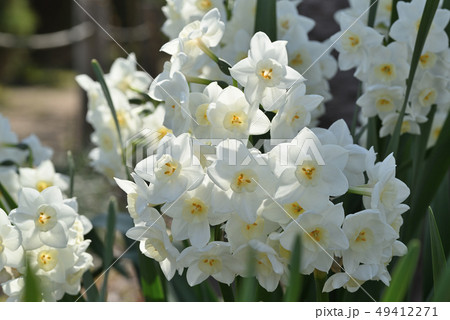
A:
(17, 17)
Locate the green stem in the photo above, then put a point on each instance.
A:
(361, 190)
(9, 200)
(227, 292)
(320, 277)
(100, 77)
(207, 50)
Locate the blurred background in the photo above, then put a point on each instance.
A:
(44, 44)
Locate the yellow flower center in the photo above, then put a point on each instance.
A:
(253, 230)
(171, 167)
(47, 259)
(285, 24)
(293, 209)
(266, 73)
(204, 5)
(384, 104)
(42, 185)
(427, 97)
(385, 72)
(244, 181)
(235, 121)
(201, 115)
(46, 218)
(315, 234)
(361, 237)
(307, 173)
(297, 60)
(406, 127)
(427, 60)
(194, 209)
(210, 264)
(2, 247)
(163, 131)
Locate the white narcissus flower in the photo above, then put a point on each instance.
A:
(353, 281)
(284, 213)
(381, 100)
(368, 235)
(124, 76)
(42, 177)
(409, 17)
(356, 41)
(193, 213)
(213, 260)
(207, 32)
(265, 73)
(295, 114)
(173, 170)
(60, 265)
(233, 117)
(426, 91)
(268, 265)
(308, 170)
(239, 232)
(436, 128)
(410, 124)
(93, 90)
(156, 244)
(139, 203)
(386, 65)
(388, 192)
(244, 174)
(199, 105)
(321, 237)
(11, 252)
(339, 134)
(43, 218)
(289, 21)
(173, 89)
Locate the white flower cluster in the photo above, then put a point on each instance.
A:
(124, 83)
(44, 231)
(203, 199)
(382, 58)
(187, 19)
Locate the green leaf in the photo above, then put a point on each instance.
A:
(9, 200)
(372, 13)
(429, 179)
(437, 251)
(402, 274)
(424, 28)
(152, 285)
(441, 292)
(247, 288)
(294, 288)
(446, 5)
(420, 145)
(320, 278)
(227, 292)
(32, 291)
(91, 290)
(109, 246)
(266, 18)
(71, 163)
(101, 79)
(224, 66)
